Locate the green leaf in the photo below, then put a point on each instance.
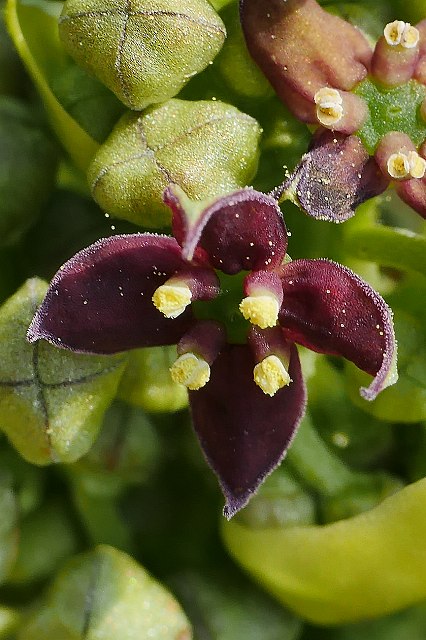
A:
(388, 246)
(46, 539)
(106, 595)
(208, 148)
(33, 27)
(28, 164)
(52, 401)
(361, 567)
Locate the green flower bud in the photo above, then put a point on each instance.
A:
(52, 401)
(147, 382)
(144, 52)
(28, 162)
(106, 595)
(360, 567)
(46, 539)
(234, 62)
(207, 148)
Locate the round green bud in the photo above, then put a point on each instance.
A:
(208, 148)
(106, 594)
(144, 51)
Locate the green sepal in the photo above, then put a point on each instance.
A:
(34, 30)
(46, 539)
(208, 148)
(147, 382)
(350, 570)
(52, 401)
(144, 52)
(106, 594)
(28, 164)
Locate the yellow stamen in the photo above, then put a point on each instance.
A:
(191, 371)
(329, 106)
(172, 299)
(271, 375)
(261, 310)
(410, 37)
(393, 32)
(398, 165)
(417, 165)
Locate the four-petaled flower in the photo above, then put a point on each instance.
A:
(224, 290)
(369, 105)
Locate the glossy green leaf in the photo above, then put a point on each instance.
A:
(106, 595)
(52, 401)
(365, 566)
(208, 148)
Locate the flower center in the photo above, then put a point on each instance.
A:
(225, 307)
(392, 109)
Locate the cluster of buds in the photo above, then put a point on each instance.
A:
(373, 100)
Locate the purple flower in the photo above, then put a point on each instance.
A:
(225, 292)
(369, 105)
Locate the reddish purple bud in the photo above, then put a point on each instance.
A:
(100, 301)
(420, 70)
(329, 309)
(413, 193)
(301, 48)
(240, 231)
(243, 432)
(334, 177)
(394, 64)
(397, 157)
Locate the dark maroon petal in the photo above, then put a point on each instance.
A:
(334, 177)
(302, 48)
(243, 230)
(100, 300)
(413, 193)
(244, 433)
(329, 309)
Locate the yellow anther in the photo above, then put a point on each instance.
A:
(393, 32)
(398, 165)
(261, 310)
(191, 371)
(417, 165)
(329, 106)
(271, 375)
(172, 299)
(410, 36)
